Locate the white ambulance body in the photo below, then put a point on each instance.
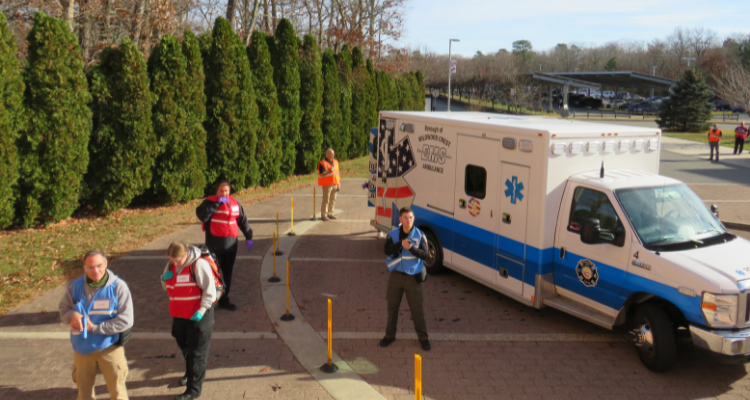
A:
(519, 204)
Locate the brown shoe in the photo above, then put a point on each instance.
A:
(324, 219)
(332, 217)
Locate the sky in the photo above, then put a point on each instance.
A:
(489, 25)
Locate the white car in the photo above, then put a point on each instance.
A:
(608, 94)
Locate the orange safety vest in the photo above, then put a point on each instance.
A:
(332, 179)
(224, 220)
(184, 293)
(714, 135)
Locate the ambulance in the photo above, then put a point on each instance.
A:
(570, 215)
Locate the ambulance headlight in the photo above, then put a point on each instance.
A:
(720, 310)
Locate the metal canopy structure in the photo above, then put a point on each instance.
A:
(562, 80)
(618, 79)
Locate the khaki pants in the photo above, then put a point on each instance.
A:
(398, 284)
(329, 201)
(111, 361)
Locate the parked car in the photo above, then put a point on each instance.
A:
(721, 105)
(645, 108)
(738, 108)
(623, 95)
(608, 94)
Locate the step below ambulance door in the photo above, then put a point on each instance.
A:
(476, 206)
(514, 186)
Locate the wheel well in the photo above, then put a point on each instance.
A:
(427, 228)
(636, 299)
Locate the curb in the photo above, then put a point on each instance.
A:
(740, 226)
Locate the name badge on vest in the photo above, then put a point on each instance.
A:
(183, 278)
(101, 305)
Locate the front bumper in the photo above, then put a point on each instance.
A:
(727, 346)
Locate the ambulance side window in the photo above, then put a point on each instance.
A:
(587, 204)
(475, 184)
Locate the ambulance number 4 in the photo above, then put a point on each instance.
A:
(434, 154)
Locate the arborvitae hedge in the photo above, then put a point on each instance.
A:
(11, 121)
(176, 177)
(420, 90)
(331, 103)
(344, 60)
(372, 98)
(268, 154)
(359, 126)
(53, 149)
(195, 166)
(231, 112)
(310, 100)
(122, 147)
(285, 58)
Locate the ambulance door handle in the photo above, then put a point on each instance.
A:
(562, 252)
(490, 213)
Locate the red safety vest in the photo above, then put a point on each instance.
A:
(224, 220)
(714, 135)
(740, 133)
(184, 294)
(332, 179)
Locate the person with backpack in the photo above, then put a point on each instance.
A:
(193, 283)
(99, 308)
(223, 218)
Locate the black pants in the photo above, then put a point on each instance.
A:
(226, 263)
(398, 284)
(714, 145)
(194, 338)
(738, 143)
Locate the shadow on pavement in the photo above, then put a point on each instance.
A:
(12, 393)
(32, 319)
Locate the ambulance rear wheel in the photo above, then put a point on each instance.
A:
(654, 338)
(434, 261)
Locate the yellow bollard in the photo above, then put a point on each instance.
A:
(330, 367)
(274, 278)
(291, 231)
(278, 250)
(314, 194)
(287, 316)
(417, 377)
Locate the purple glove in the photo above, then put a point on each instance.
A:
(249, 244)
(223, 200)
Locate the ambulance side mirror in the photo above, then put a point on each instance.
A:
(590, 231)
(715, 210)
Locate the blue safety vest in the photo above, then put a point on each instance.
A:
(102, 308)
(406, 262)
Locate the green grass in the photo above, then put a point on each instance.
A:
(700, 137)
(38, 259)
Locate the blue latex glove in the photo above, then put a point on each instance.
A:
(167, 276)
(197, 316)
(249, 244)
(223, 200)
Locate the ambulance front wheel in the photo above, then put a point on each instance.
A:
(654, 338)
(434, 260)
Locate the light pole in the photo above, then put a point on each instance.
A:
(450, 72)
(688, 60)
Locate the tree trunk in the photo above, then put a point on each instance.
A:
(69, 12)
(231, 12)
(251, 27)
(267, 19)
(138, 23)
(273, 14)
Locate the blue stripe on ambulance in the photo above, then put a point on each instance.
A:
(612, 290)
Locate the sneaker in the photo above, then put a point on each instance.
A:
(426, 345)
(183, 381)
(187, 396)
(324, 219)
(332, 217)
(385, 342)
(228, 306)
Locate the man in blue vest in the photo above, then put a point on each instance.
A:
(405, 248)
(99, 309)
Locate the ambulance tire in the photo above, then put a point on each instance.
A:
(434, 262)
(658, 350)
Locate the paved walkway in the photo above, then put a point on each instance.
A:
(485, 345)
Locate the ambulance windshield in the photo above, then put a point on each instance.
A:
(669, 216)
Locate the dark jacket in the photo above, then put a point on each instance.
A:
(221, 245)
(394, 249)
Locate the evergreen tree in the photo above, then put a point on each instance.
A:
(344, 60)
(331, 103)
(611, 64)
(286, 78)
(11, 121)
(53, 149)
(384, 94)
(205, 42)
(122, 147)
(372, 98)
(420, 89)
(360, 124)
(231, 112)
(195, 171)
(687, 110)
(269, 151)
(310, 100)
